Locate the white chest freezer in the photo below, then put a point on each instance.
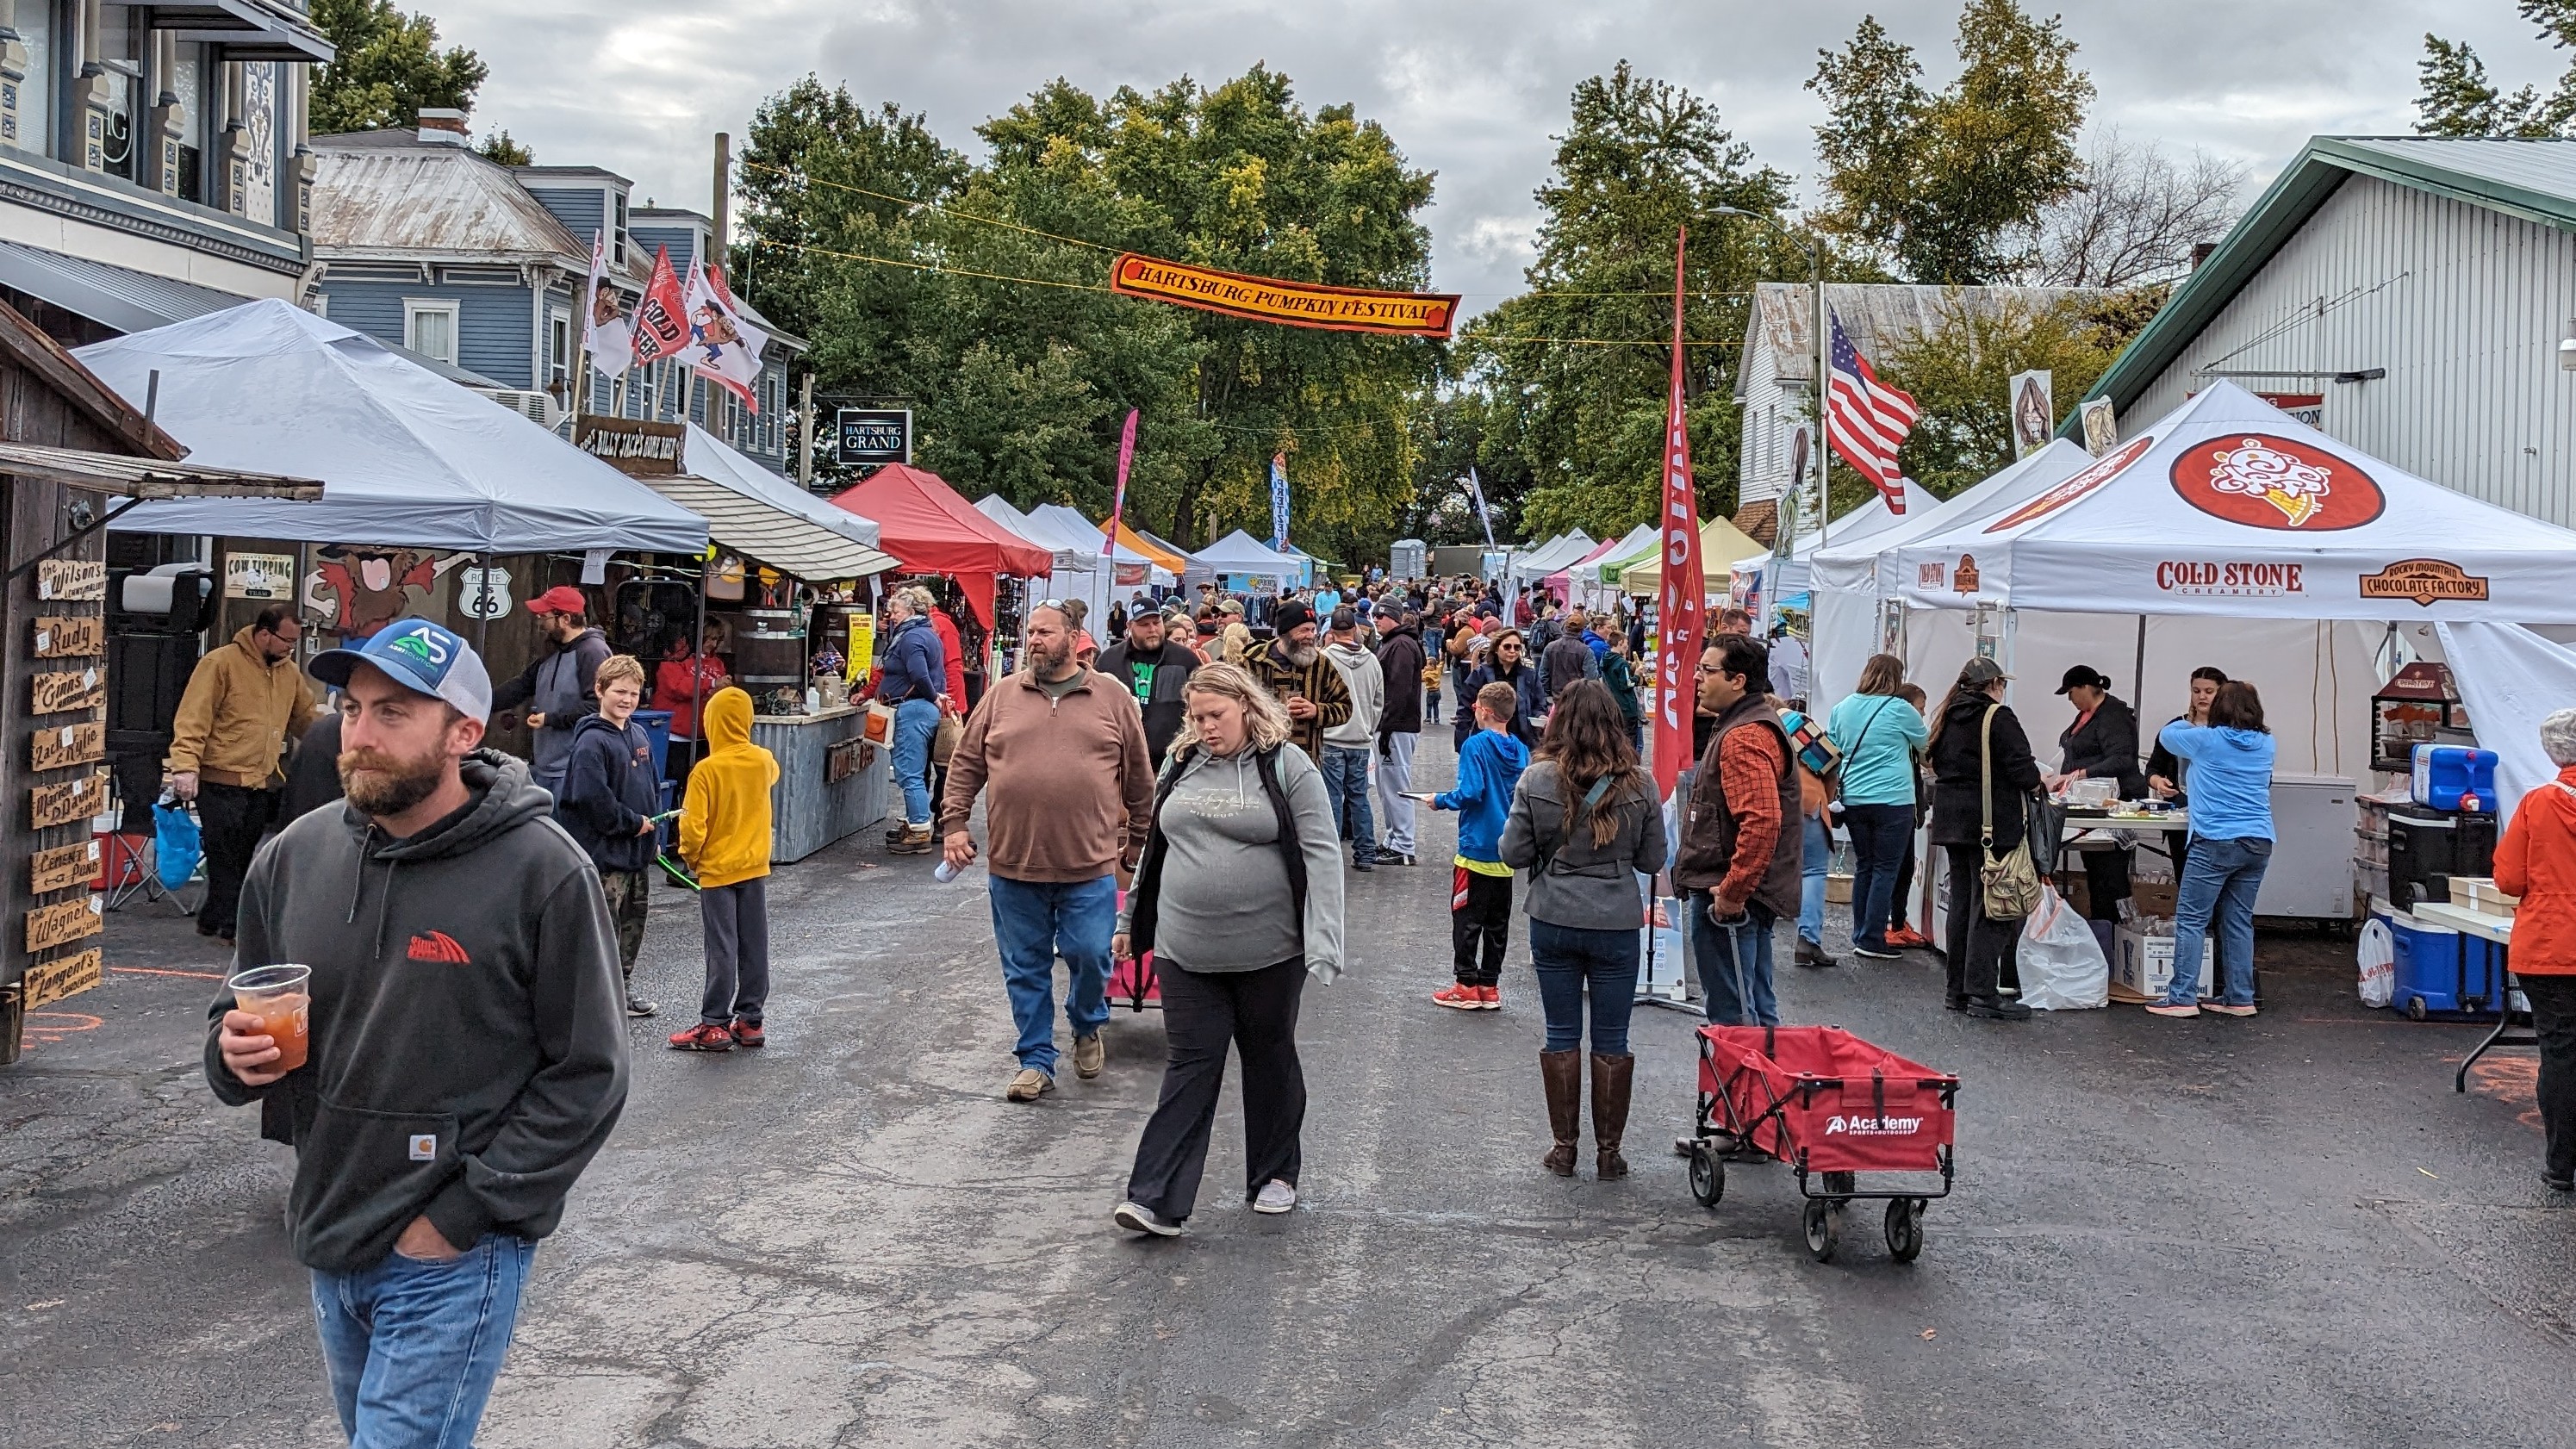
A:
(2311, 871)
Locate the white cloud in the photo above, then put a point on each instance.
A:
(1472, 91)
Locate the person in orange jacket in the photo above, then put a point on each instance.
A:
(724, 840)
(2536, 860)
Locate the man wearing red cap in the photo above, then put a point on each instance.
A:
(558, 686)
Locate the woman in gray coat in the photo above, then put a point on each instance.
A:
(1584, 823)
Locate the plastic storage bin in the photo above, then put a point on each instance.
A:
(2439, 971)
(2455, 777)
(2425, 844)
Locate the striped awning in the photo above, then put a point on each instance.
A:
(769, 534)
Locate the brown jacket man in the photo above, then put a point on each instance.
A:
(1315, 685)
(242, 704)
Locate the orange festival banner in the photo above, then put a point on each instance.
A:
(1290, 304)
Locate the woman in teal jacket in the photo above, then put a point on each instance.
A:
(1879, 735)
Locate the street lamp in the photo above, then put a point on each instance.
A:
(1816, 273)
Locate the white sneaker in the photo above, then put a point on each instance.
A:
(1275, 1197)
(1143, 1220)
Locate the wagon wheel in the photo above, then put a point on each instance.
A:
(1841, 1184)
(1707, 1175)
(2415, 1008)
(1820, 1229)
(1904, 1228)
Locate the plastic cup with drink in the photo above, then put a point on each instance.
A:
(281, 997)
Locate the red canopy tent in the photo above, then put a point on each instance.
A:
(930, 530)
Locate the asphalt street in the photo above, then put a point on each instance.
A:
(2281, 1231)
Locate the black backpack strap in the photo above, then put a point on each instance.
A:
(1144, 892)
(1292, 852)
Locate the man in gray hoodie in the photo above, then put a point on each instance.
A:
(559, 686)
(1347, 745)
(465, 1052)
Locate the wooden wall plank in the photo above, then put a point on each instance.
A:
(51, 981)
(70, 636)
(59, 747)
(60, 925)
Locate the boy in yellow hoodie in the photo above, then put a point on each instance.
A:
(724, 839)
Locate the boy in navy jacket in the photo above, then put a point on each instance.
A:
(1480, 895)
(610, 792)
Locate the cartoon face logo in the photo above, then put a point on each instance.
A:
(2263, 481)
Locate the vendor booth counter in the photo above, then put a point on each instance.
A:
(832, 781)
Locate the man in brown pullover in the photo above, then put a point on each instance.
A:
(244, 701)
(1059, 751)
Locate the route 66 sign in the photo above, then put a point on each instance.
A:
(482, 593)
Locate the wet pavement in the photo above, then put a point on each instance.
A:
(2280, 1231)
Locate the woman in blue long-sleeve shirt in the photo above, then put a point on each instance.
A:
(2231, 830)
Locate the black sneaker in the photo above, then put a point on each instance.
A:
(1998, 1010)
(1363, 865)
(638, 1006)
(2559, 1184)
(1877, 953)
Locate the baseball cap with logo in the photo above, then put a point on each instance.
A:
(420, 656)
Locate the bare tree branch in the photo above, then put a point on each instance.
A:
(2138, 216)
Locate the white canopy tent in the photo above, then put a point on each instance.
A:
(405, 456)
(1585, 585)
(2225, 509)
(707, 456)
(1766, 578)
(1241, 554)
(1081, 571)
(1557, 554)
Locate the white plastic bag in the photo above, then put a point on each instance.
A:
(2062, 967)
(2377, 957)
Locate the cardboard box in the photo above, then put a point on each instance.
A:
(2142, 968)
(2152, 898)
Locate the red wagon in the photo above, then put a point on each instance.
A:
(1832, 1106)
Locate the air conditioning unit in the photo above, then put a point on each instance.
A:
(536, 407)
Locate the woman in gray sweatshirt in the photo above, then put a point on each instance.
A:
(1239, 897)
(1584, 824)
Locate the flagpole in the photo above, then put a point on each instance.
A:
(1824, 366)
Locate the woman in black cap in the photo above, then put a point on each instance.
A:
(1981, 770)
(2102, 744)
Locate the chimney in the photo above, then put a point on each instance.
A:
(441, 126)
(2200, 253)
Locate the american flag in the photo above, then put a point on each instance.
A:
(1865, 419)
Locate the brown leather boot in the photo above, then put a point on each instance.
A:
(1562, 1074)
(1611, 1077)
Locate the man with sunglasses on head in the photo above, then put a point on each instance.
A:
(1738, 857)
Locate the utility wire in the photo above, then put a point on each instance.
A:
(936, 267)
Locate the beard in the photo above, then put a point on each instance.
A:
(379, 784)
(1054, 660)
(1301, 655)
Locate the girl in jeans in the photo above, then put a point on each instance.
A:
(1584, 823)
(2230, 759)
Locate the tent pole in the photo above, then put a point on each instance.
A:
(482, 613)
(697, 673)
(2138, 676)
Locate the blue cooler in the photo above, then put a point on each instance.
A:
(2455, 777)
(2441, 971)
(657, 728)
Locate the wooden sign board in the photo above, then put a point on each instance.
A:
(50, 981)
(51, 926)
(62, 867)
(71, 580)
(70, 637)
(72, 689)
(68, 801)
(632, 446)
(58, 747)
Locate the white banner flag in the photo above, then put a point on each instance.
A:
(723, 348)
(607, 333)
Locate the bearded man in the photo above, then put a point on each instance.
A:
(465, 1051)
(1293, 667)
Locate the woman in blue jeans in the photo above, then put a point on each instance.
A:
(1584, 823)
(1879, 735)
(2231, 843)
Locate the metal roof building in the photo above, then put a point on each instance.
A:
(2411, 296)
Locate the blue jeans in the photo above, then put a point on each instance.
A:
(1816, 859)
(1037, 921)
(2219, 881)
(1346, 782)
(1720, 951)
(916, 723)
(1879, 836)
(412, 1348)
(1568, 958)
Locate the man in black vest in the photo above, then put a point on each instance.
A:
(1740, 847)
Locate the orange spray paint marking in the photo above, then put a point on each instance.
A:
(2514, 1081)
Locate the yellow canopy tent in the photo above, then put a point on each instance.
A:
(1721, 543)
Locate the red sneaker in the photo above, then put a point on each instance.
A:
(1908, 936)
(1461, 996)
(702, 1038)
(748, 1034)
(1490, 997)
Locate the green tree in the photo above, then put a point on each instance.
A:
(1571, 378)
(1958, 371)
(1951, 186)
(504, 148)
(388, 67)
(2456, 98)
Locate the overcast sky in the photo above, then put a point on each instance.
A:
(1472, 91)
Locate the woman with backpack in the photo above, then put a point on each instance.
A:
(1982, 772)
(1239, 897)
(1585, 823)
(1878, 734)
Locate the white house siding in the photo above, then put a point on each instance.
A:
(2468, 311)
(1771, 412)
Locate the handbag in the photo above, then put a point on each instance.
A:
(943, 745)
(2008, 884)
(879, 725)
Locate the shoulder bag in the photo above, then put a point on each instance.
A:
(2008, 883)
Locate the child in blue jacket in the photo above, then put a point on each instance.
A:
(1480, 896)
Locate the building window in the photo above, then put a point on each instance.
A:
(559, 354)
(35, 25)
(429, 328)
(617, 231)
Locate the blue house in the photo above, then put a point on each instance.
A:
(479, 269)
(153, 164)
